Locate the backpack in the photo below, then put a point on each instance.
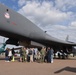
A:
(30, 52)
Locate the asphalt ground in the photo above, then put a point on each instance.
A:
(59, 67)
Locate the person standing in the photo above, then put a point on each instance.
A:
(35, 54)
(13, 52)
(43, 52)
(10, 55)
(50, 55)
(38, 56)
(6, 55)
(27, 51)
(23, 54)
(20, 55)
(31, 54)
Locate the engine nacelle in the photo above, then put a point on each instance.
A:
(25, 42)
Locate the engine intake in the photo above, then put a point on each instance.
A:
(12, 41)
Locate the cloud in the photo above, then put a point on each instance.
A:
(73, 24)
(52, 16)
(21, 2)
(44, 14)
(65, 4)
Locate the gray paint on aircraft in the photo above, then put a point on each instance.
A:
(20, 25)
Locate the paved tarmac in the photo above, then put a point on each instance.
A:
(59, 67)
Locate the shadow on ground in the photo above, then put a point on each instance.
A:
(4, 59)
(71, 69)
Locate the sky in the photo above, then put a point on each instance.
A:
(57, 17)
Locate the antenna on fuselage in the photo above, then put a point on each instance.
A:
(67, 38)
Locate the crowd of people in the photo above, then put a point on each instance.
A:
(31, 55)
